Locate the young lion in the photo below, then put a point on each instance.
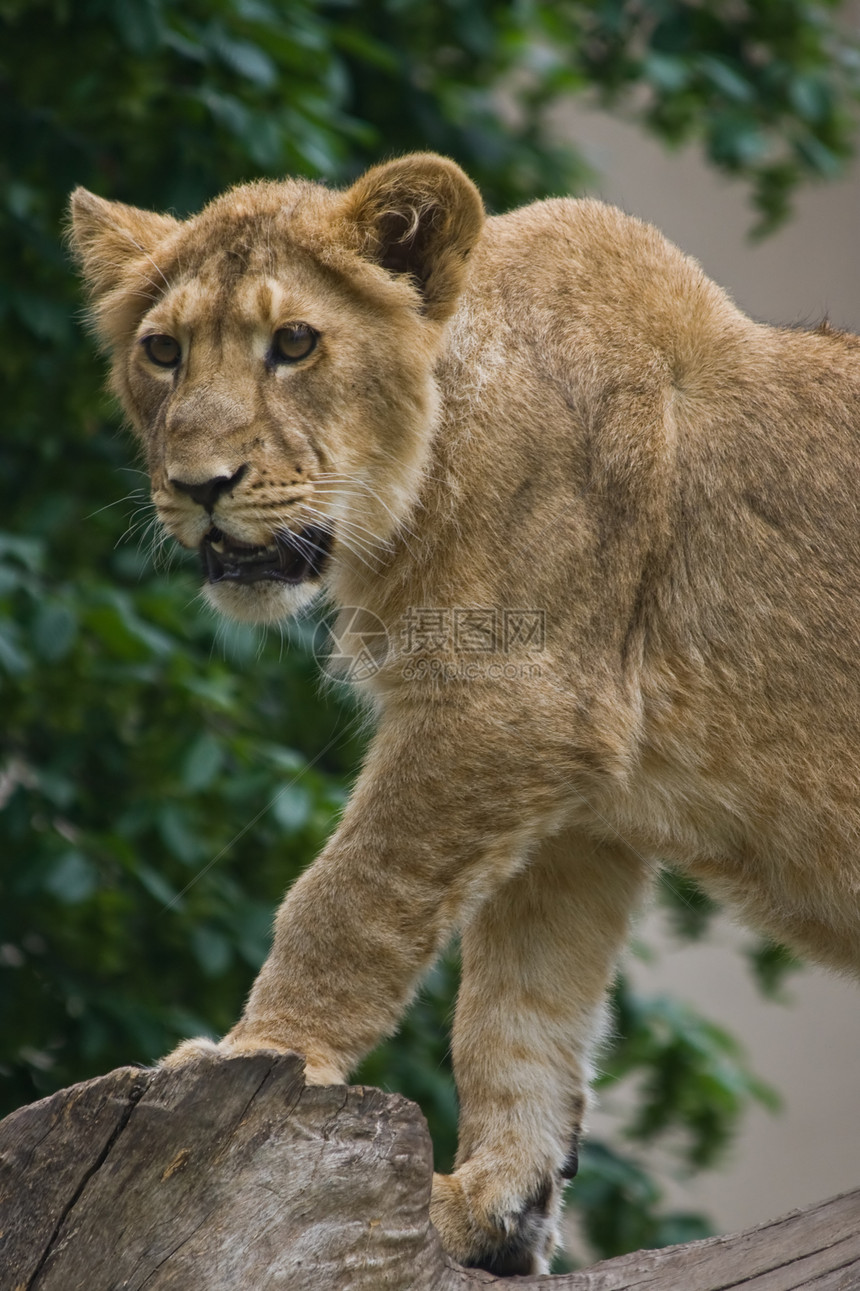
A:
(594, 536)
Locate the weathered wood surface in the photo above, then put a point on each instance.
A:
(233, 1176)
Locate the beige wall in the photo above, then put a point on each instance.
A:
(809, 1050)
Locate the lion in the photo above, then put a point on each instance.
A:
(606, 527)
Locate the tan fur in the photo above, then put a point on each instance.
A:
(571, 420)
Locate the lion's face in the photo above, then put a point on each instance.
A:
(275, 355)
(283, 428)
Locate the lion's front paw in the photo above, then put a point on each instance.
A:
(482, 1227)
(203, 1050)
(321, 1065)
(190, 1051)
(319, 1070)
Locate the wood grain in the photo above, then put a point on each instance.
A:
(235, 1176)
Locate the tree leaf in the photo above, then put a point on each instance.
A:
(248, 60)
(72, 879)
(54, 631)
(202, 762)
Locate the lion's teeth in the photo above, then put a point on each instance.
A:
(240, 553)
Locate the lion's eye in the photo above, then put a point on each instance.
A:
(162, 350)
(293, 343)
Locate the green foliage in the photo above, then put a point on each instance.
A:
(164, 777)
(771, 964)
(690, 910)
(621, 1209)
(768, 87)
(152, 810)
(693, 1084)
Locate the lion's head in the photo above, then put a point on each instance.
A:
(275, 355)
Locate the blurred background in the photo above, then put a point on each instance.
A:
(163, 777)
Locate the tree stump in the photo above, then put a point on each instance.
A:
(235, 1176)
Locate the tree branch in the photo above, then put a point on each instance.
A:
(235, 1174)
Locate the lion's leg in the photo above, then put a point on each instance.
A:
(421, 841)
(537, 959)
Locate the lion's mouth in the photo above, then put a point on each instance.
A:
(289, 558)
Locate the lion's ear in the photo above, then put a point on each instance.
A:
(108, 237)
(418, 216)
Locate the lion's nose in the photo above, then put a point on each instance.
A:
(207, 493)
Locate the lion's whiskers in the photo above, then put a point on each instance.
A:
(329, 477)
(361, 532)
(352, 541)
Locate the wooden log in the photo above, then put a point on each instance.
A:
(235, 1176)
